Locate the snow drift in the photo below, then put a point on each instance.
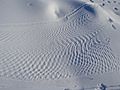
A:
(48, 42)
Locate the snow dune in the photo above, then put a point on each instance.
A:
(59, 44)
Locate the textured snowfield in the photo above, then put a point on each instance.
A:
(59, 44)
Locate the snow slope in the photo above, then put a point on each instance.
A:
(58, 44)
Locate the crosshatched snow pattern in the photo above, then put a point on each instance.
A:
(69, 38)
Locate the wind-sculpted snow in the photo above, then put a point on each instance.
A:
(58, 40)
(83, 55)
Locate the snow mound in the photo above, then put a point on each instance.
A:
(57, 40)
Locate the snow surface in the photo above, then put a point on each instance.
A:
(59, 44)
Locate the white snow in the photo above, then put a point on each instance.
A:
(59, 44)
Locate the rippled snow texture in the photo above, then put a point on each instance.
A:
(77, 41)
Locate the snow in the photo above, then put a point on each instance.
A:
(59, 45)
